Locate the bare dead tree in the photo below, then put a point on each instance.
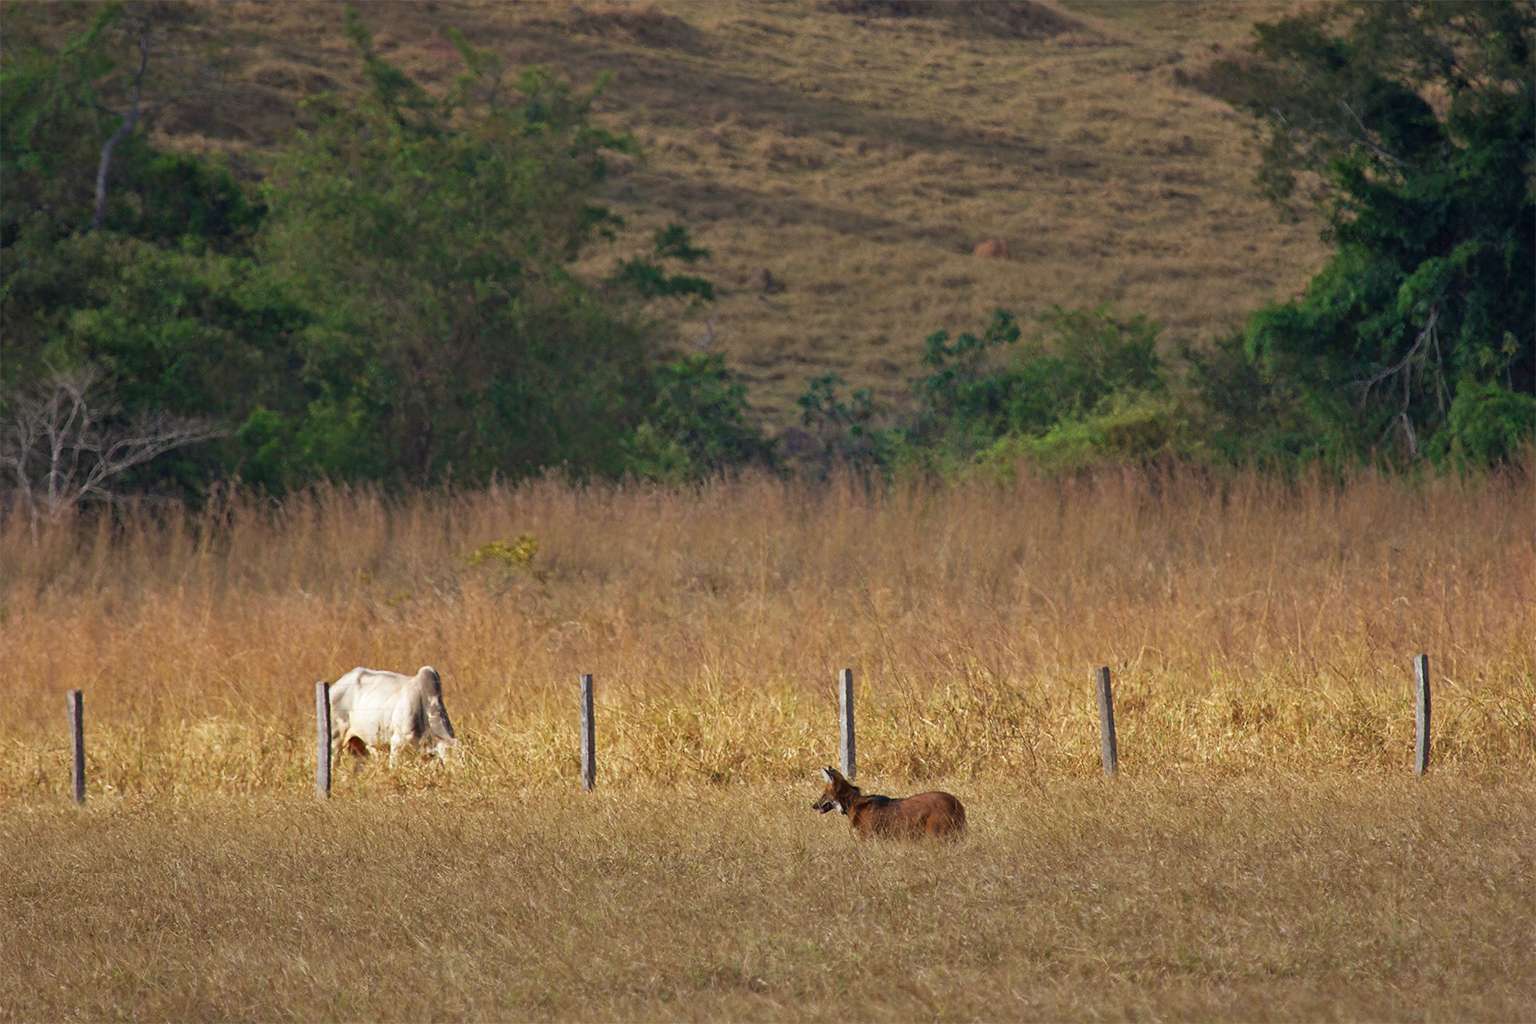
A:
(130, 119)
(61, 445)
(145, 25)
(709, 330)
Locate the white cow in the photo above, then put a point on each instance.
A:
(371, 708)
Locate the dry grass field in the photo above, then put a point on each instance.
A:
(1276, 898)
(857, 157)
(1265, 854)
(1252, 625)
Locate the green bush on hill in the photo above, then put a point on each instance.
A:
(974, 395)
(695, 424)
(393, 303)
(1086, 387)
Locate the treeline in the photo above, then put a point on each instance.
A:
(394, 302)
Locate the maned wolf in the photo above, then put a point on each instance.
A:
(933, 814)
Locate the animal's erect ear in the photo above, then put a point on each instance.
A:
(826, 773)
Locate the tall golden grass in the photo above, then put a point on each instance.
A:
(1252, 625)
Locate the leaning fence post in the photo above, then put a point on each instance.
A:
(845, 720)
(323, 740)
(74, 701)
(588, 740)
(1107, 722)
(1421, 747)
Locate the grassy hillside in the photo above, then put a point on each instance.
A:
(857, 151)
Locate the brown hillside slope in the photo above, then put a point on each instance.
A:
(859, 152)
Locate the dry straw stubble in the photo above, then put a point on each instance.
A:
(1255, 898)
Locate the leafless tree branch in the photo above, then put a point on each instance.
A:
(1364, 137)
(60, 446)
(709, 330)
(130, 118)
(1419, 351)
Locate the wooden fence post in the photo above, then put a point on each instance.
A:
(588, 737)
(323, 740)
(1107, 722)
(1421, 747)
(74, 701)
(845, 720)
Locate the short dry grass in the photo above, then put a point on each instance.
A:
(1192, 898)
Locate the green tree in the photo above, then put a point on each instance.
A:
(835, 431)
(431, 237)
(73, 145)
(695, 424)
(160, 304)
(1414, 126)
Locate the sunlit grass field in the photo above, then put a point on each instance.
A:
(1252, 625)
(1328, 896)
(1265, 853)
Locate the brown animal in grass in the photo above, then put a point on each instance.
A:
(765, 283)
(992, 249)
(938, 815)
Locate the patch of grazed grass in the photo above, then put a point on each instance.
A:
(1275, 897)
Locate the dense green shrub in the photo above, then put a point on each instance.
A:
(394, 304)
(1086, 386)
(696, 423)
(1486, 424)
(1417, 123)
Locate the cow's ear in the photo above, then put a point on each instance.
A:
(826, 773)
